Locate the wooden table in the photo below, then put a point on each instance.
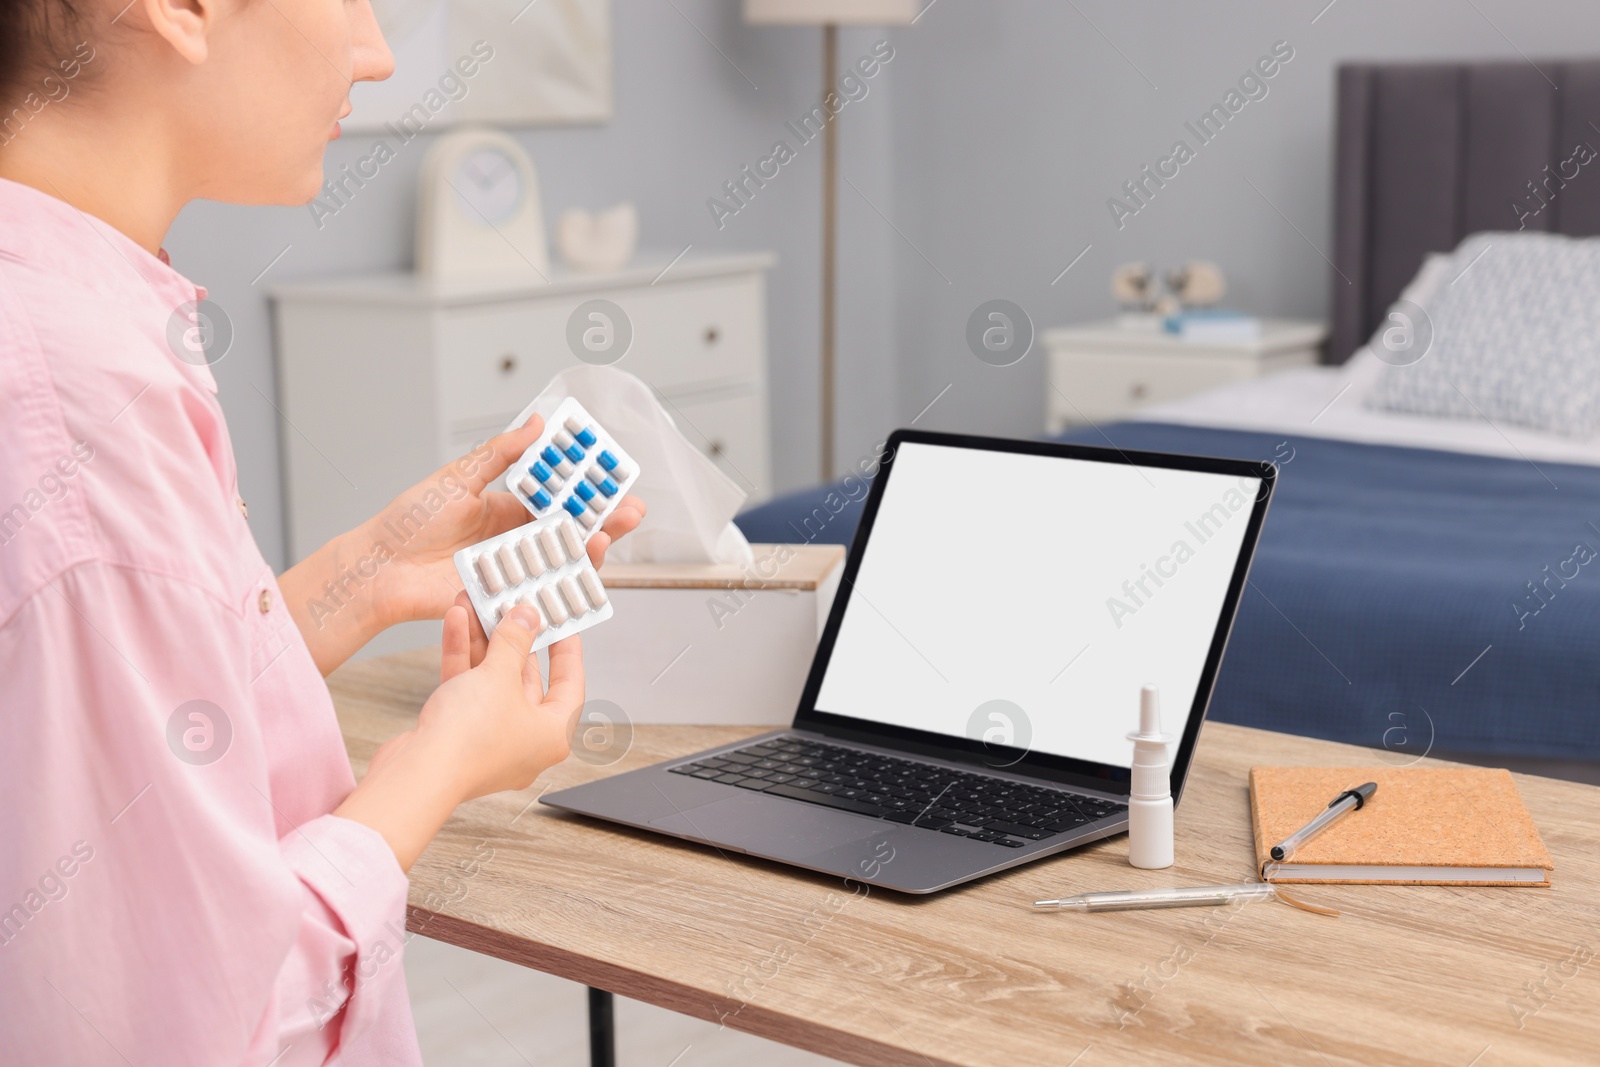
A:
(1408, 975)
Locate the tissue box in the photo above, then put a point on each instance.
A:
(711, 643)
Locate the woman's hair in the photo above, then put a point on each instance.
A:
(31, 32)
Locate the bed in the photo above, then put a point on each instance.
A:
(1422, 583)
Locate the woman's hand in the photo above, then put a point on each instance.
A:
(487, 728)
(505, 735)
(427, 524)
(398, 566)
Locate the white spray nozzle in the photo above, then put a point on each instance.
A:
(1150, 711)
(1149, 716)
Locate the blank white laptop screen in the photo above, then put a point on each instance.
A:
(1057, 586)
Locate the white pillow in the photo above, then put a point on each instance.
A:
(1515, 337)
(1364, 368)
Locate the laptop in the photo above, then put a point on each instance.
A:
(969, 702)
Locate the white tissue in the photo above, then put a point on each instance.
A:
(691, 502)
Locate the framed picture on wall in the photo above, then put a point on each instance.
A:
(500, 62)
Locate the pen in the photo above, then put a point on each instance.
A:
(1348, 801)
(1191, 897)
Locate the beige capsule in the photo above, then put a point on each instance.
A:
(550, 545)
(507, 556)
(489, 574)
(574, 596)
(572, 540)
(527, 600)
(592, 589)
(550, 604)
(528, 550)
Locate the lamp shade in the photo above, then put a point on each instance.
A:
(830, 12)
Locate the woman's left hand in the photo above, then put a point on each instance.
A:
(399, 567)
(427, 524)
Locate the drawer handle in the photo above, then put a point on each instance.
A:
(713, 335)
(1138, 390)
(508, 363)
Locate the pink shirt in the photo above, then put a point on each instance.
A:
(173, 889)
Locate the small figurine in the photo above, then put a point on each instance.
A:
(1197, 284)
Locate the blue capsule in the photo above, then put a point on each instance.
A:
(608, 461)
(574, 506)
(574, 453)
(541, 472)
(608, 487)
(551, 456)
(541, 500)
(586, 437)
(584, 490)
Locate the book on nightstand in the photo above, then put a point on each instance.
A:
(1423, 826)
(1213, 326)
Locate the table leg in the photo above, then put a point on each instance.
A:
(602, 1029)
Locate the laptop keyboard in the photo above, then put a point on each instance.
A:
(985, 808)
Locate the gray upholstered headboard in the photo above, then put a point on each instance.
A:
(1428, 153)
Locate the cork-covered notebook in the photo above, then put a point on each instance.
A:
(1424, 826)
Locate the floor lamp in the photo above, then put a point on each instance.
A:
(830, 15)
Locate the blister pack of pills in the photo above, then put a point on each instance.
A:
(575, 468)
(543, 564)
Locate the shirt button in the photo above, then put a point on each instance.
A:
(265, 603)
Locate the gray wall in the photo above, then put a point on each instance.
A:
(990, 145)
(1015, 122)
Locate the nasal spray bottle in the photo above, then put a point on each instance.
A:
(1150, 798)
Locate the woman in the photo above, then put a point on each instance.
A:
(188, 872)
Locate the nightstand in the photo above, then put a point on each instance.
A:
(1101, 371)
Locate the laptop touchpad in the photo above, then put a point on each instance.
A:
(769, 826)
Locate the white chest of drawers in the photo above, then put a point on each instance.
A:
(384, 378)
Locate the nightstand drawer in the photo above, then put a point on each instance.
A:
(688, 336)
(1090, 386)
(696, 334)
(1113, 382)
(729, 426)
(493, 360)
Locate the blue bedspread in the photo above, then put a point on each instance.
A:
(1390, 603)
